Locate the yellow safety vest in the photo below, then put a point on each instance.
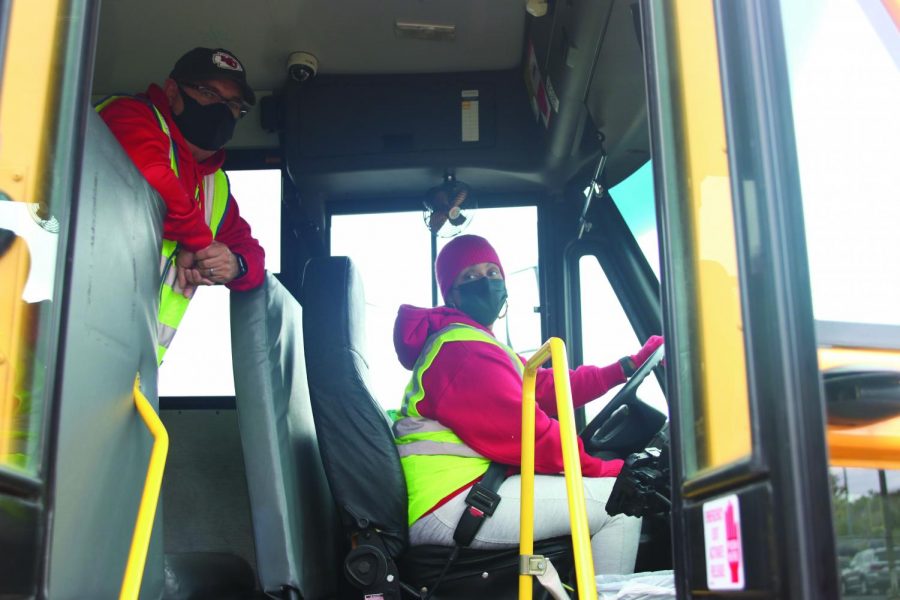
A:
(216, 194)
(435, 461)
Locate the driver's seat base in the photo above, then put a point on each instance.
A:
(479, 573)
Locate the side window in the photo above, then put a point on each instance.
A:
(851, 215)
(607, 334)
(393, 254)
(635, 201)
(203, 342)
(865, 506)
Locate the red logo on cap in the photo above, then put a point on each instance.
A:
(226, 61)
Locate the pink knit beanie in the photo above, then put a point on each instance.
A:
(462, 252)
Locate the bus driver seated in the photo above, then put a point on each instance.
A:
(463, 409)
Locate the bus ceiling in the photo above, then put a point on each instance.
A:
(408, 91)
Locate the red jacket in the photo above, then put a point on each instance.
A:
(136, 127)
(474, 389)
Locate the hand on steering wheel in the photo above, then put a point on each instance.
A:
(624, 395)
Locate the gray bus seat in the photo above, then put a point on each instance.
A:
(103, 445)
(363, 466)
(294, 522)
(109, 337)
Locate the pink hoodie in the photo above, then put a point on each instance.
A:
(472, 388)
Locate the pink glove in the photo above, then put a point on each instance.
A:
(650, 346)
(612, 467)
(595, 467)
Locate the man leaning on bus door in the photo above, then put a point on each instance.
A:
(174, 134)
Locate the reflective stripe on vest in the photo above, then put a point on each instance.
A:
(172, 301)
(216, 193)
(436, 462)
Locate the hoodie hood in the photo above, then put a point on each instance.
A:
(414, 325)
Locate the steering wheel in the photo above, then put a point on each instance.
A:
(601, 427)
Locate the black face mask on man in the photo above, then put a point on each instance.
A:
(207, 126)
(482, 299)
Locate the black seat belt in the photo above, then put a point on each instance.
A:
(481, 502)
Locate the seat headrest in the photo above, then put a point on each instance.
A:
(332, 287)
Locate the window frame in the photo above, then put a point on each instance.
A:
(612, 243)
(243, 160)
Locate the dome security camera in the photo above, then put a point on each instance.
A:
(302, 66)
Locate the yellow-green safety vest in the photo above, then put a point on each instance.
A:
(435, 461)
(216, 193)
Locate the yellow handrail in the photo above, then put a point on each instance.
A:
(555, 350)
(143, 526)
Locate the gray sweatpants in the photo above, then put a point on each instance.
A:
(614, 540)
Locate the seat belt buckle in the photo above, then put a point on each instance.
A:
(482, 502)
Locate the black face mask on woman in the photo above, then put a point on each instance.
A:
(482, 299)
(207, 126)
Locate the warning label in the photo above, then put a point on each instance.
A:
(722, 537)
(470, 127)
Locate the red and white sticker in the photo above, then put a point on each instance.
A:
(223, 60)
(722, 537)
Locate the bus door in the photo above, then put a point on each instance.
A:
(751, 501)
(79, 249)
(42, 74)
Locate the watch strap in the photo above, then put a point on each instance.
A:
(242, 265)
(628, 366)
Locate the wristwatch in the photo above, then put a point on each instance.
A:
(628, 366)
(242, 265)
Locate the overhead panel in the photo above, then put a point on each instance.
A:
(398, 134)
(528, 129)
(348, 37)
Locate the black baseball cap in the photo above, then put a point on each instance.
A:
(213, 63)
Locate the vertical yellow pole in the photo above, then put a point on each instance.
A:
(581, 535)
(526, 511)
(555, 350)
